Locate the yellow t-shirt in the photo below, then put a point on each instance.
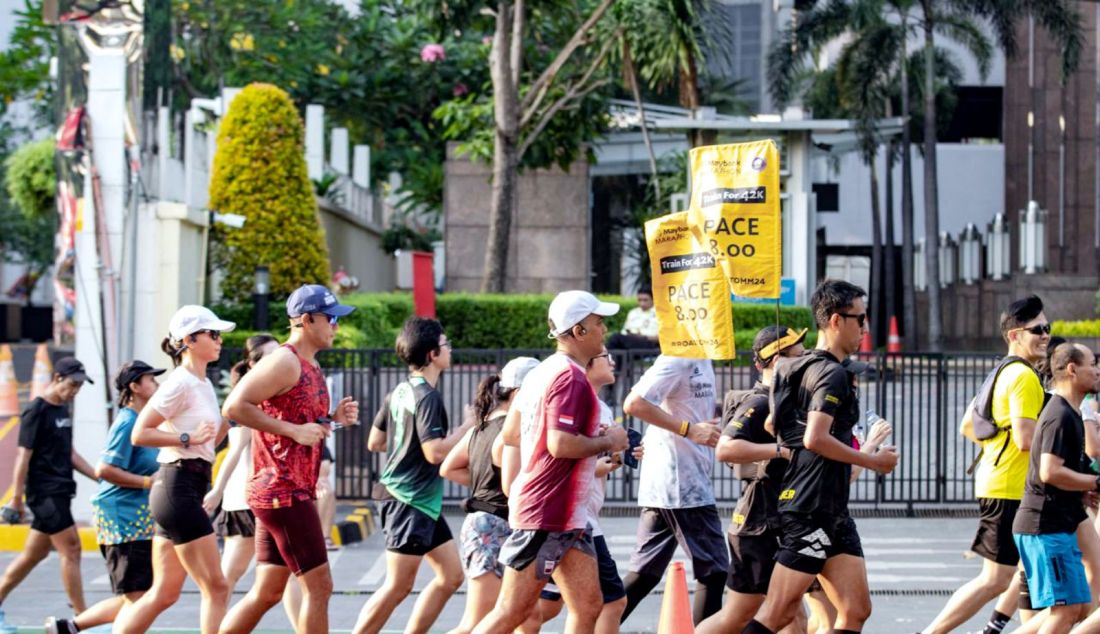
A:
(1017, 394)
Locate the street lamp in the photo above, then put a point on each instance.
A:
(1033, 239)
(997, 263)
(261, 295)
(947, 251)
(970, 255)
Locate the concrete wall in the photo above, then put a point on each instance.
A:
(357, 247)
(549, 249)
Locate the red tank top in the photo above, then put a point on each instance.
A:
(284, 471)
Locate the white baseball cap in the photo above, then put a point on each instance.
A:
(569, 308)
(190, 319)
(513, 372)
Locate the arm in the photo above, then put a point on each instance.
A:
(699, 432)
(741, 451)
(509, 468)
(818, 440)
(376, 442)
(880, 431)
(1053, 471)
(232, 459)
(1023, 431)
(82, 465)
(436, 449)
(146, 434)
(563, 444)
(456, 466)
(966, 428)
(431, 427)
(120, 477)
(510, 433)
(274, 374)
(1092, 438)
(19, 477)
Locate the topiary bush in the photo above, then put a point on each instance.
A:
(260, 173)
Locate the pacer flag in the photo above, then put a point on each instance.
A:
(734, 213)
(690, 292)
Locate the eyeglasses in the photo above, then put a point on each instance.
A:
(214, 334)
(861, 318)
(1038, 329)
(447, 344)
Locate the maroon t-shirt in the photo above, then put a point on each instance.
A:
(284, 471)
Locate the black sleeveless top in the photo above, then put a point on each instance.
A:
(486, 492)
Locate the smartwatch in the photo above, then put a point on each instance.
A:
(185, 440)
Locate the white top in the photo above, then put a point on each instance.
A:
(642, 322)
(1088, 408)
(676, 472)
(599, 485)
(185, 401)
(236, 487)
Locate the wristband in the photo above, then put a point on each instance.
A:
(684, 427)
(146, 482)
(778, 451)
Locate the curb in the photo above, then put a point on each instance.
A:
(356, 526)
(12, 538)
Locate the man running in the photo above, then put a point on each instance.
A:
(43, 471)
(999, 481)
(559, 442)
(285, 401)
(411, 427)
(676, 398)
(1052, 508)
(815, 406)
(754, 532)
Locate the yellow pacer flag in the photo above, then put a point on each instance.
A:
(690, 292)
(735, 214)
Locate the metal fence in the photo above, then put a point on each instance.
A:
(922, 394)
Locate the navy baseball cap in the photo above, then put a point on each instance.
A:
(314, 298)
(70, 368)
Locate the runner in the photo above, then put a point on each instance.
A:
(999, 480)
(1052, 509)
(676, 397)
(124, 526)
(815, 406)
(43, 472)
(184, 421)
(559, 441)
(754, 530)
(231, 486)
(285, 401)
(475, 463)
(411, 427)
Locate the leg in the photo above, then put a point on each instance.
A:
(236, 558)
(316, 592)
(822, 613)
(103, 612)
(654, 549)
(844, 579)
(292, 602)
(574, 576)
(168, 577)
(519, 594)
(266, 591)
(1060, 619)
(481, 596)
(448, 579)
(610, 613)
(400, 576)
(34, 551)
(699, 533)
(67, 544)
(784, 597)
(326, 508)
(967, 600)
(1089, 543)
(734, 615)
(200, 558)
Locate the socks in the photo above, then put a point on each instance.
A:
(997, 623)
(754, 627)
(708, 596)
(638, 586)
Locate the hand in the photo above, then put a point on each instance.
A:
(1092, 499)
(705, 433)
(606, 465)
(880, 431)
(310, 434)
(210, 500)
(347, 412)
(619, 440)
(785, 453)
(204, 433)
(639, 452)
(884, 460)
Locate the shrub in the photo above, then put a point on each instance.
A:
(260, 173)
(31, 179)
(1082, 328)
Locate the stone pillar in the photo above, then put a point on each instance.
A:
(315, 141)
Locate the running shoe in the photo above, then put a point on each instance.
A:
(55, 625)
(5, 627)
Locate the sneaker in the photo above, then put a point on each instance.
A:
(55, 625)
(5, 627)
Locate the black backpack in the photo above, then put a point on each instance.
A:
(981, 408)
(733, 401)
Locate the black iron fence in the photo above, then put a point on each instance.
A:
(922, 394)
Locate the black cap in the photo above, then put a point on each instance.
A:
(132, 373)
(70, 368)
(770, 335)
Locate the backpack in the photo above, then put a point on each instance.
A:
(732, 402)
(981, 411)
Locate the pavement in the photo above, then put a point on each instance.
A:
(913, 566)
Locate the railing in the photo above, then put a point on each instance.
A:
(922, 394)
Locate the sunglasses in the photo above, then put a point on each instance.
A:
(1038, 329)
(861, 318)
(332, 319)
(214, 334)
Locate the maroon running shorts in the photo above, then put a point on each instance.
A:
(291, 537)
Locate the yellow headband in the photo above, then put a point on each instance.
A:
(792, 337)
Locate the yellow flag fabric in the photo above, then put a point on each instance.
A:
(735, 213)
(690, 292)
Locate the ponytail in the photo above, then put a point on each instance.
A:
(486, 399)
(173, 349)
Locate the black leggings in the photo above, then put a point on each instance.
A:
(176, 500)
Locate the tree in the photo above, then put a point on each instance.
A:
(260, 172)
(28, 212)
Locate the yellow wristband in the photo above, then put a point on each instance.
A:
(684, 427)
(146, 482)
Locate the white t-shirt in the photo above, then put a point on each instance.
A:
(1088, 408)
(185, 401)
(236, 488)
(599, 485)
(676, 472)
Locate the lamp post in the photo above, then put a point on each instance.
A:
(261, 294)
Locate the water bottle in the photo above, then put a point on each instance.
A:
(9, 515)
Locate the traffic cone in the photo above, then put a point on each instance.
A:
(43, 372)
(675, 607)
(9, 398)
(866, 345)
(893, 343)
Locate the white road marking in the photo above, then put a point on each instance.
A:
(377, 571)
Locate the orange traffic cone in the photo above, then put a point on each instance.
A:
(893, 343)
(675, 607)
(866, 345)
(43, 372)
(9, 398)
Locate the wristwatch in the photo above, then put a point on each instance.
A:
(185, 440)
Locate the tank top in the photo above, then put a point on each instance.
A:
(486, 492)
(284, 471)
(236, 488)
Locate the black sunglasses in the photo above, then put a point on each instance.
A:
(214, 334)
(861, 318)
(1038, 329)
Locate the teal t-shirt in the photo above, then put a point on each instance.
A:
(122, 514)
(411, 414)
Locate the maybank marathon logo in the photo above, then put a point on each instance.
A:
(734, 195)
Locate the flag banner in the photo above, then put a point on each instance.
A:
(734, 212)
(690, 292)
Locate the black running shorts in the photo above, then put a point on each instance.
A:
(129, 566)
(993, 540)
(752, 559)
(809, 539)
(176, 501)
(52, 513)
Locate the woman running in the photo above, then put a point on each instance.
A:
(231, 486)
(183, 419)
(475, 462)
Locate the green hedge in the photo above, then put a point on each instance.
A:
(1082, 328)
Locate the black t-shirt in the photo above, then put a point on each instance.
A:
(813, 483)
(745, 421)
(1045, 508)
(47, 430)
(413, 413)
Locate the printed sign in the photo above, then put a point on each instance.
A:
(690, 292)
(734, 213)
